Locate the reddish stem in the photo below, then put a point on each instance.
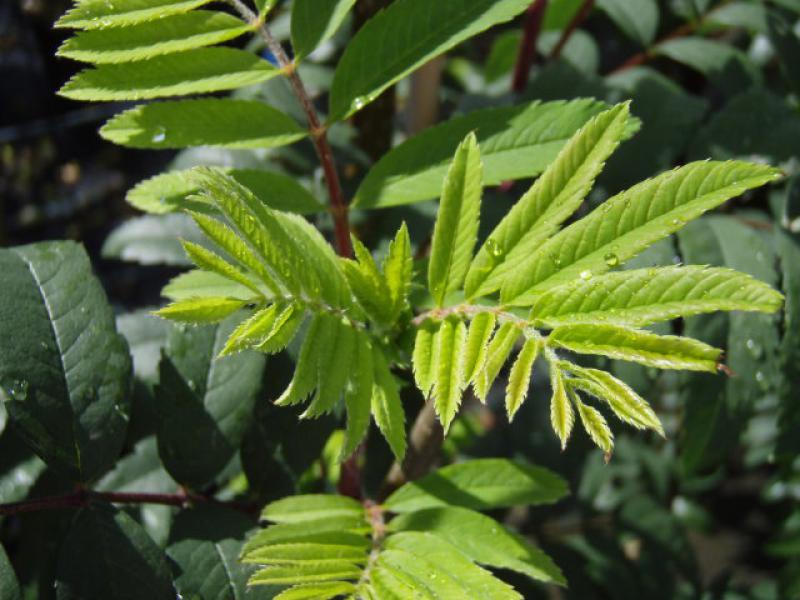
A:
(527, 48)
(579, 18)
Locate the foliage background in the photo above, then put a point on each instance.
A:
(710, 511)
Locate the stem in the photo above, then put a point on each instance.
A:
(82, 497)
(527, 48)
(579, 18)
(319, 136)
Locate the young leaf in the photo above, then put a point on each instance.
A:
(314, 21)
(318, 336)
(333, 366)
(387, 407)
(621, 227)
(173, 33)
(520, 376)
(496, 355)
(398, 269)
(310, 573)
(225, 123)
(483, 540)
(516, 142)
(403, 37)
(311, 507)
(358, 396)
(318, 591)
(449, 346)
(552, 199)
(200, 310)
(432, 580)
(252, 331)
(456, 229)
(196, 71)
(96, 14)
(204, 284)
(562, 416)
(208, 260)
(480, 330)
(650, 349)
(595, 425)
(644, 296)
(423, 359)
(479, 484)
(283, 331)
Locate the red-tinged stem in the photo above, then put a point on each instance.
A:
(576, 21)
(527, 48)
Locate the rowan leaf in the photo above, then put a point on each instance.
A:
(95, 14)
(481, 328)
(562, 417)
(496, 355)
(200, 310)
(314, 21)
(448, 385)
(520, 376)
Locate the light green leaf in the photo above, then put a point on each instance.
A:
(95, 14)
(550, 201)
(520, 376)
(314, 21)
(333, 369)
(398, 269)
(196, 71)
(204, 284)
(596, 426)
(650, 349)
(480, 330)
(283, 331)
(562, 417)
(403, 37)
(208, 260)
(358, 396)
(205, 122)
(305, 553)
(387, 407)
(305, 378)
(426, 578)
(644, 296)
(482, 539)
(256, 330)
(200, 310)
(620, 397)
(448, 387)
(317, 591)
(64, 370)
(368, 284)
(516, 142)
(390, 583)
(311, 507)
(151, 240)
(621, 227)
(339, 531)
(480, 484)
(423, 359)
(292, 574)
(173, 33)
(639, 20)
(496, 355)
(456, 228)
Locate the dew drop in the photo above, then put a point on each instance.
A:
(159, 136)
(754, 348)
(494, 248)
(359, 103)
(586, 275)
(762, 380)
(612, 260)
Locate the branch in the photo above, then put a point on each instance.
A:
(579, 18)
(527, 48)
(82, 497)
(319, 136)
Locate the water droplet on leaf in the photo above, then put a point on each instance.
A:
(612, 260)
(159, 136)
(754, 348)
(586, 275)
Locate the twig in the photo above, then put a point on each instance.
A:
(527, 47)
(83, 497)
(579, 18)
(338, 205)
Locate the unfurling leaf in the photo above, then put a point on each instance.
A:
(562, 417)
(480, 330)
(448, 386)
(595, 425)
(496, 355)
(520, 376)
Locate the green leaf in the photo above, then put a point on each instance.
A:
(151, 240)
(482, 539)
(661, 351)
(387, 407)
(423, 358)
(333, 369)
(306, 374)
(429, 553)
(9, 586)
(644, 296)
(311, 507)
(620, 227)
(337, 531)
(205, 122)
(173, 33)
(107, 554)
(367, 283)
(480, 330)
(496, 355)
(200, 310)
(204, 402)
(203, 284)
(314, 572)
(317, 591)
(204, 545)
(358, 396)
(65, 372)
(551, 200)
(426, 578)
(196, 71)
(638, 21)
(502, 56)
(398, 267)
(95, 14)
(449, 382)
(562, 417)
(520, 376)
(516, 142)
(750, 16)
(480, 484)
(456, 229)
(260, 327)
(209, 261)
(403, 37)
(596, 426)
(314, 21)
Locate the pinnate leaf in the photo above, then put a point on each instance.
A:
(314, 21)
(95, 14)
(520, 376)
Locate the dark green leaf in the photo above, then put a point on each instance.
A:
(314, 21)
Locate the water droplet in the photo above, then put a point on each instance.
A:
(360, 102)
(762, 380)
(192, 384)
(678, 222)
(612, 260)
(494, 248)
(18, 390)
(755, 349)
(586, 275)
(159, 136)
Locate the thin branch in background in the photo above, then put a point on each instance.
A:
(527, 47)
(577, 19)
